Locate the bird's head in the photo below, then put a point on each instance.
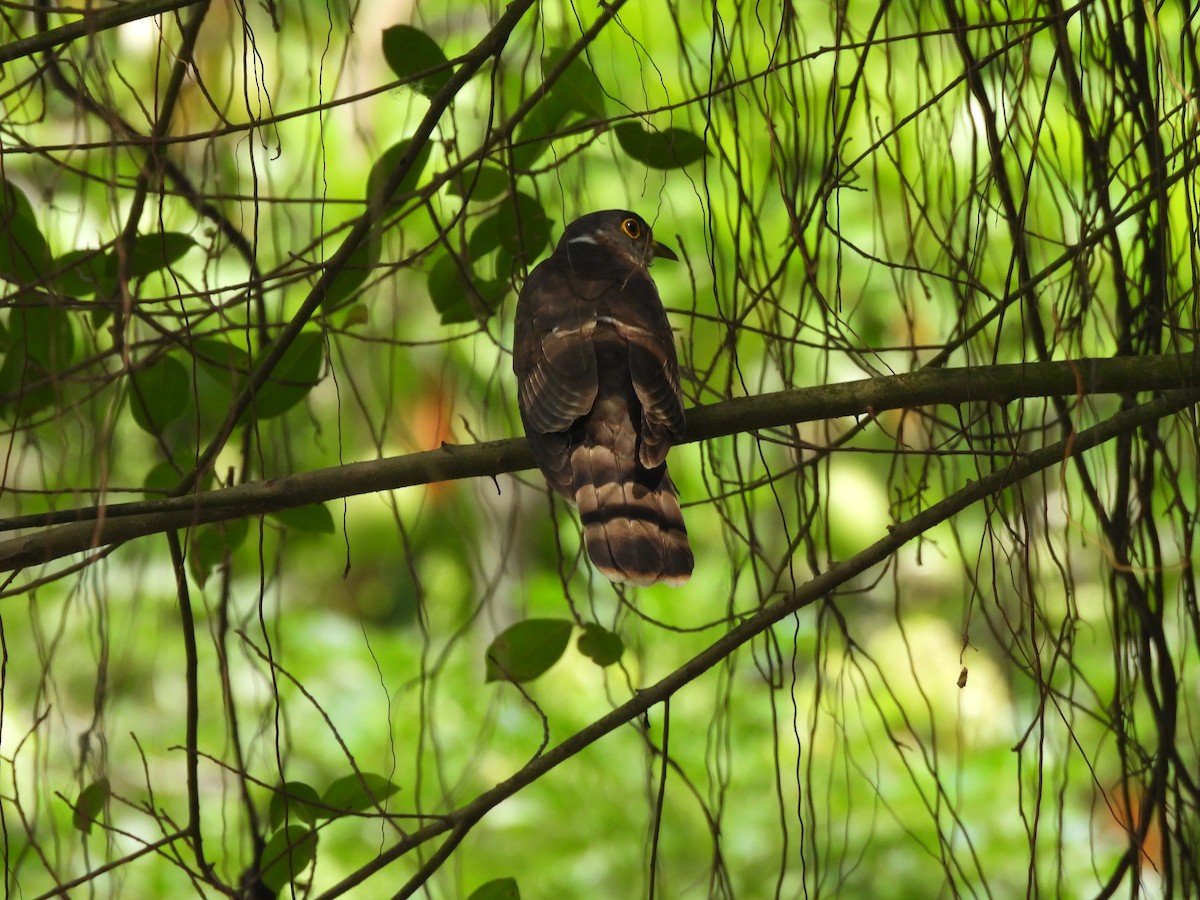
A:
(618, 231)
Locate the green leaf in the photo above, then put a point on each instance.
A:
(41, 344)
(671, 148)
(90, 804)
(408, 51)
(225, 362)
(350, 277)
(24, 253)
(314, 517)
(577, 88)
(294, 800)
(386, 164)
(450, 291)
(482, 183)
(151, 252)
(520, 228)
(290, 382)
(356, 315)
(600, 645)
(524, 651)
(296, 375)
(533, 139)
(82, 273)
(356, 792)
(213, 544)
(286, 855)
(161, 479)
(497, 889)
(160, 394)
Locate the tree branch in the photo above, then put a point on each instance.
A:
(821, 585)
(88, 24)
(89, 528)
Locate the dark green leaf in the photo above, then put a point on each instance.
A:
(409, 50)
(520, 228)
(383, 168)
(290, 382)
(286, 856)
(450, 291)
(297, 373)
(533, 139)
(151, 252)
(213, 544)
(160, 394)
(577, 88)
(497, 889)
(483, 183)
(314, 517)
(351, 276)
(82, 273)
(90, 804)
(24, 253)
(160, 480)
(294, 800)
(225, 362)
(671, 148)
(524, 651)
(41, 344)
(355, 793)
(600, 645)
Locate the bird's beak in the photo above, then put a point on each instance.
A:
(662, 251)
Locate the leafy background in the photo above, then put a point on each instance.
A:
(1007, 705)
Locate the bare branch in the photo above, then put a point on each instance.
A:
(821, 585)
(93, 527)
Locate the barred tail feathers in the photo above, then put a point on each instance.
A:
(633, 527)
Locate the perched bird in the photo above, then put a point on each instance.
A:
(598, 389)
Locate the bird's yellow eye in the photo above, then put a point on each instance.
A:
(632, 228)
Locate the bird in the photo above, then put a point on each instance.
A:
(599, 394)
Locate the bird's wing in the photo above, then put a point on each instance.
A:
(553, 356)
(636, 312)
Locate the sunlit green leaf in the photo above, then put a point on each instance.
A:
(386, 164)
(408, 51)
(356, 792)
(670, 148)
(160, 394)
(497, 889)
(90, 805)
(286, 855)
(524, 651)
(315, 517)
(24, 253)
(295, 801)
(600, 645)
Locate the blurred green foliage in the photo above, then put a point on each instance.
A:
(965, 721)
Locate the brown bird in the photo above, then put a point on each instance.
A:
(598, 389)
